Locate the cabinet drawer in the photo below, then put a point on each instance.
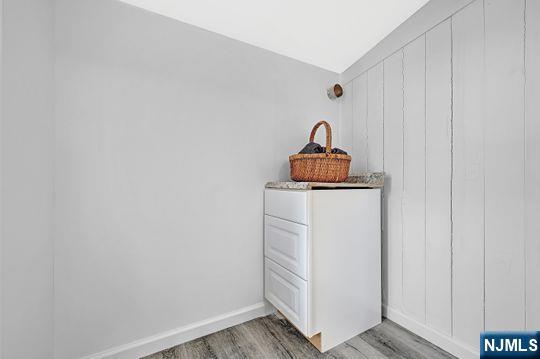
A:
(287, 292)
(286, 244)
(289, 205)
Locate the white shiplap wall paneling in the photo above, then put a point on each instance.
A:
(532, 164)
(414, 160)
(360, 143)
(468, 173)
(452, 118)
(438, 177)
(393, 166)
(345, 131)
(375, 120)
(504, 165)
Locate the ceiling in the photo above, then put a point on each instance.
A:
(331, 34)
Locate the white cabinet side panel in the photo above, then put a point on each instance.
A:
(346, 270)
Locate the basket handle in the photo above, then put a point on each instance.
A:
(328, 134)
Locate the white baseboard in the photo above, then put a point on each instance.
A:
(441, 340)
(171, 338)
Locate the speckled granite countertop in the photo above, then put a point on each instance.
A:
(362, 180)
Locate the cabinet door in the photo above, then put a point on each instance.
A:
(287, 292)
(286, 244)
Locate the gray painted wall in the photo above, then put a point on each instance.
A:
(165, 136)
(447, 106)
(26, 167)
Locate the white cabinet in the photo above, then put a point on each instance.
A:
(323, 260)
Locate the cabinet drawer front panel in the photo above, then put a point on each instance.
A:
(287, 292)
(289, 205)
(286, 244)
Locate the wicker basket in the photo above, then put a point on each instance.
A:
(320, 167)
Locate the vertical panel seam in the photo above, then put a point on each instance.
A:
(525, 162)
(352, 101)
(2, 31)
(484, 160)
(452, 175)
(425, 179)
(367, 121)
(383, 139)
(54, 198)
(402, 160)
(383, 192)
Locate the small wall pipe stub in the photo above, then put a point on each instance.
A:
(334, 92)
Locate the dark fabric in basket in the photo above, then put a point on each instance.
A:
(314, 147)
(311, 148)
(338, 151)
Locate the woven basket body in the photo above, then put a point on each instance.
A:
(320, 167)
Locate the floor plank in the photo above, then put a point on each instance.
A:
(274, 338)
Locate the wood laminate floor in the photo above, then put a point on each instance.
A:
(272, 337)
